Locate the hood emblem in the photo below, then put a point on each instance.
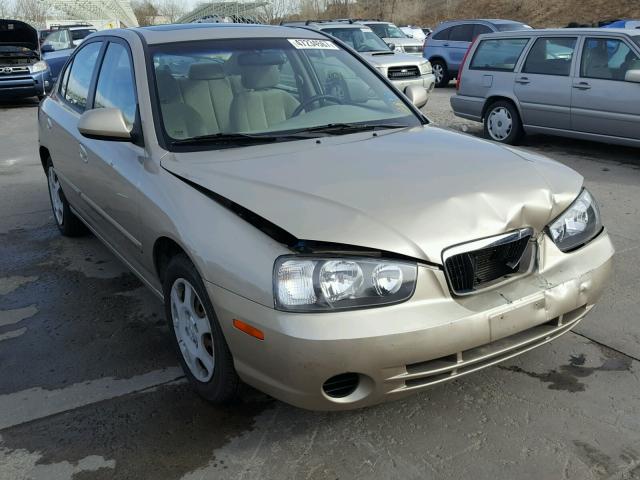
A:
(6, 69)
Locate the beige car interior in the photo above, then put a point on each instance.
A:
(210, 100)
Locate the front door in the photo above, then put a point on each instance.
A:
(603, 101)
(543, 86)
(116, 167)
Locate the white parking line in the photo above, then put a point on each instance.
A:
(35, 403)
(12, 334)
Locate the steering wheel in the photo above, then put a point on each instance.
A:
(312, 100)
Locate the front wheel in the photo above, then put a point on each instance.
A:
(204, 354)
(502, 123)
(441, 72)
(68, 224)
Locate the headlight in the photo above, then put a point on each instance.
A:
(399, 49)
(37, 67)
(313, 284)
(577, 224)
(425, 68)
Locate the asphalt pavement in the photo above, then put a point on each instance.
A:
(91, 389)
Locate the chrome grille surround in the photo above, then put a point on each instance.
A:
(481, 264)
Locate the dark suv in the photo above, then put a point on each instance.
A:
(446, 46)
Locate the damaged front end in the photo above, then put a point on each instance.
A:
(22, 71)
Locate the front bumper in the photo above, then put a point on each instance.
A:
(430, 339)
(25, 85)
(428, 82)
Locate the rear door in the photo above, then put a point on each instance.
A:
(603, 101)
(67, 153)
(115, 167)
(460, 38)
(543, 86)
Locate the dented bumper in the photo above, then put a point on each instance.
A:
(433, 338)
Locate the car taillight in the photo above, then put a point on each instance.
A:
(464, 60)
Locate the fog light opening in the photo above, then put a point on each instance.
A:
(340, 386)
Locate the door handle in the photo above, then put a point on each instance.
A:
(523, 80)
(582, 86)
(445, 44)
(83, 154)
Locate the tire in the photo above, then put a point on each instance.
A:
(206, 360)
(441, 73)
(502, 123)
(66, 221)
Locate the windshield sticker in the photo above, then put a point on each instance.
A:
(302, 44)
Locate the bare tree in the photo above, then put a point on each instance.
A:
(145, 12)
(172, 10)
(32, 11)
(5, 9)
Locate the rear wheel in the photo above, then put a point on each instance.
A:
(502, 123)
(68, 224)
(441, 72)
(198, 338)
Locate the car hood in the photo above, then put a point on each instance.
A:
(14, 33)
(413, 192)
(391, 60)
(404, 41)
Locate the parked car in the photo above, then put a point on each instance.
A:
(403, 70)
(23, 73)
(580, 83)
(632, 24)
(60, 43)
(414, 32)
(302, 243)
(394, 36)
(450, 40)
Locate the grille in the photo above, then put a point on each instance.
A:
(13, 70)
(469, 269)
(341, 385)
(403, 72)
(413, 49)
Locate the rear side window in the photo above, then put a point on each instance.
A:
(462, 33)
(84, 63)
(116, 87)
(480, 29)
(500, 54)
(443, 34)
(551, 56)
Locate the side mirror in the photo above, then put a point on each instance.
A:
(416, 95)
(104, 124)
(632, 76)
(47, 48)
(392, 46)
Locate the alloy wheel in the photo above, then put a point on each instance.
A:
(55, 192)
(499, 123)
(192, 329)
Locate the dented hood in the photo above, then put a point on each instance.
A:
(413, 192)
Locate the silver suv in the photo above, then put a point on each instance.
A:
(403, 70)
(579, 83)
(402, 43)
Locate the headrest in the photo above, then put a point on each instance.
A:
(206, 71)
(168, 89)
(260, 77)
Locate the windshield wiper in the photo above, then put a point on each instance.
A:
(230, 139)
(339, 128)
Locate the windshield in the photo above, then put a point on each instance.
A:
(509, 27)
(387, 30)
(360, 39)
(231, 88)
(80, 34)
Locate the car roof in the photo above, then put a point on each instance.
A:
(207, 31)
(565, 31)
(494, 21)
